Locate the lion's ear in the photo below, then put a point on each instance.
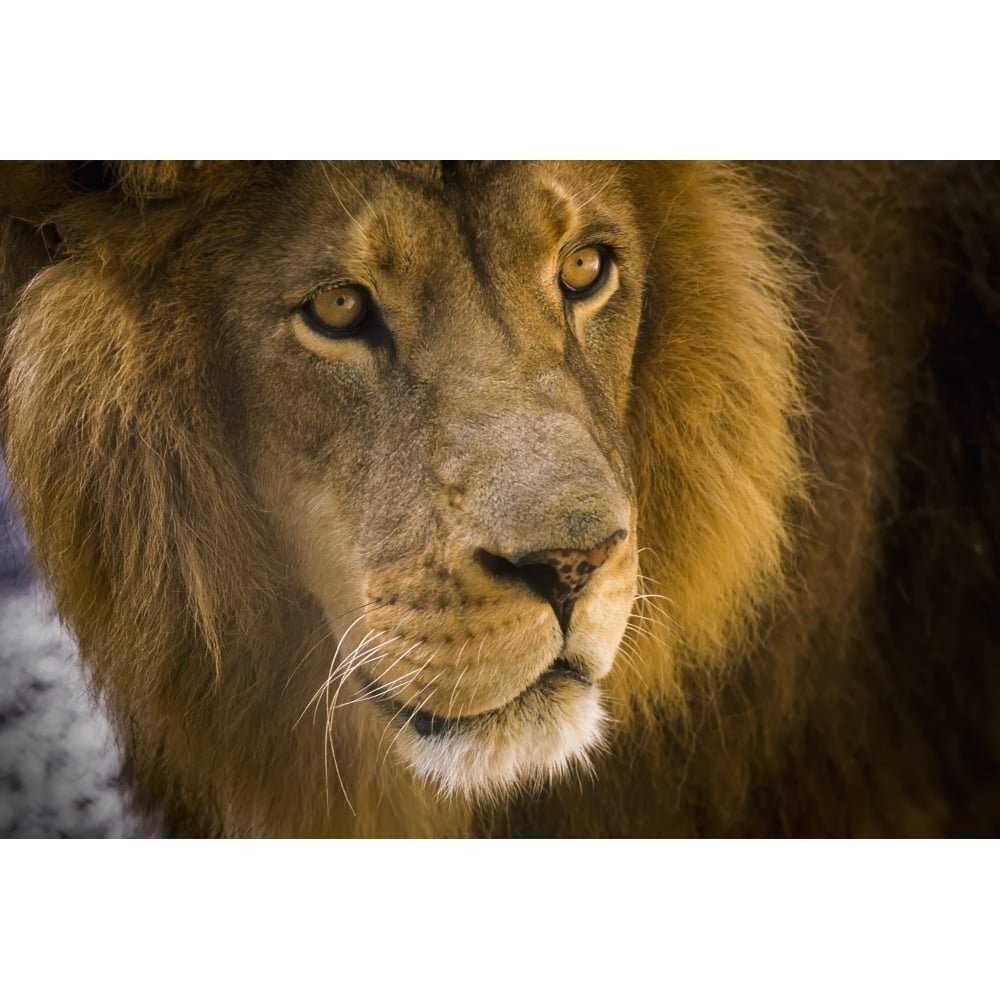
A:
(31, 189)
(153, 180)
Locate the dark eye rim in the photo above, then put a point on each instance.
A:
(355, 329)
(606, 256)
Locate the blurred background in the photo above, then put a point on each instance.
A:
(58, 760)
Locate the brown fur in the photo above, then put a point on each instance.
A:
(792, 388)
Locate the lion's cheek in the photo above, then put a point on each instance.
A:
(599, 624)
(319, 543)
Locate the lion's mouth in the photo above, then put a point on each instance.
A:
(428, 725)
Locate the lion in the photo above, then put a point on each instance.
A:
(519, 499)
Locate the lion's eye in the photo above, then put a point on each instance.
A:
(582, 270)
(338, 311)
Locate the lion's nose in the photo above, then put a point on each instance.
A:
(558, 575)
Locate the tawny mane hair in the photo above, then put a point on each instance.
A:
(814, 442)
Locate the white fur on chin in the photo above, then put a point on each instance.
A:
(522, 749)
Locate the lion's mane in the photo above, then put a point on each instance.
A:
(814, 439)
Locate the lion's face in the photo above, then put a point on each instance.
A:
(435, 374)
(374, 446)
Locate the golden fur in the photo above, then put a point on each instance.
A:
(294, 558)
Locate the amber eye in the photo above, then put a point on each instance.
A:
(338, 310)
(582, 270)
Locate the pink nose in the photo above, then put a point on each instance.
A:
(573, 567)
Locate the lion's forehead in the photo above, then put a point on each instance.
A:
(411, 223)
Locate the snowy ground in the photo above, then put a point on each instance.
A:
(58, 761)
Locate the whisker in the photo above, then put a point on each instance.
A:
(413, 715)
(334, 668)
(661, 597)
(402, 708)
(388, 689)
(327, 628)
(457, 684)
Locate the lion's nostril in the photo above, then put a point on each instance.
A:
(557, 575)
(541, 579)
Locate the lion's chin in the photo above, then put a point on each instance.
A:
(556, 722)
